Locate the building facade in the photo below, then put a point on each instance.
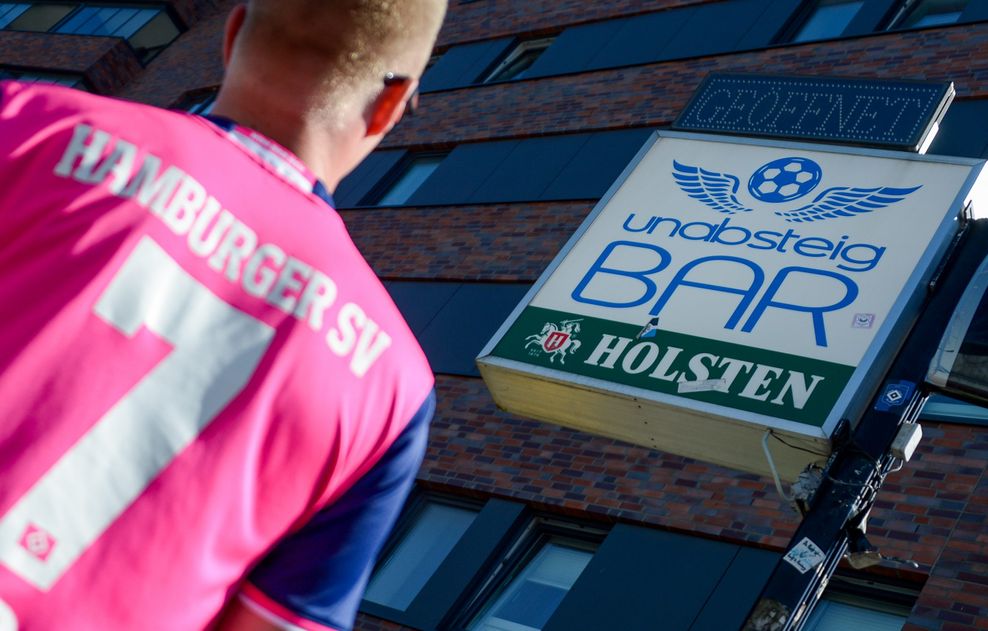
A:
(529, 111)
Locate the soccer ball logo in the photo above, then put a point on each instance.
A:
(784, 180)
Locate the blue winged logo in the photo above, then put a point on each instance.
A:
(717, 190)
(781, 181)
(843, 201)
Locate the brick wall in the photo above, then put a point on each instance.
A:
(106, 62)
(485, 20)
(653, 94)
(502, 242)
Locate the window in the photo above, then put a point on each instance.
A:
(529, 598)
(943, 408)
(148, 30)
(37, 17)
(108, 21)
(929, 13)
(413, 175)
(435, 530)
(833, 615)
(154, 36)
(519, 60)
(70, 80)
(828, 19)
(858, 603)
(10, 11)
(532, 578)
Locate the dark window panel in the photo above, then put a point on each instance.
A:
(641, 576)
(461, 329)
(435, 530)
(54, 78)
(596, 165)
(926, 13)
(714, 28)
(414, 173)
(737, 591)
(529, 169)
(461, 173)
(945, 409)
(365, 177)
(478, 548)
(464, 65)
(963, 132)
(154, 36)
(871, 18)
(976, 11)
(420, 302)
(9, 11)
(134, 22)
(93, 21)
(519, 61)
(117, 18)
(828, 19)
(481, 545)
(528, 599)
(767, 27)
(641, 39)
(41, 17)
(574, 48)
(76, 21)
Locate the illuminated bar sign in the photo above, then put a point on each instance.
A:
(729, 294)
(892, 114)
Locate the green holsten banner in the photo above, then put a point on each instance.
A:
(746, 378)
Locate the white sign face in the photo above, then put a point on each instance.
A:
(742, 275)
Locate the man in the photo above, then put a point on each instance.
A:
(210, 411)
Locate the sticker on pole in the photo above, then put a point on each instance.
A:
(805, 556)
(895, 395)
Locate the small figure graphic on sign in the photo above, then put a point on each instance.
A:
(556, 340)
(863, 321)
(650, 329)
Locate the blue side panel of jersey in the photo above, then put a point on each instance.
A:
(320, 572)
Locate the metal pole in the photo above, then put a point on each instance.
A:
(861, 459)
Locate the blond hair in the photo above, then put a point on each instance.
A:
(343, 46)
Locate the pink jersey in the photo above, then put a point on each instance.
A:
(194, 361)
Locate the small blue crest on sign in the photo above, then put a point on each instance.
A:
(895, 395)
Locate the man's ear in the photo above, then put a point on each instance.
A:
(234, 22)
(388, 107)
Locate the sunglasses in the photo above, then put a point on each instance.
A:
(392, 80)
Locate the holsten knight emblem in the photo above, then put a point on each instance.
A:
(555, 340)
(781, 181)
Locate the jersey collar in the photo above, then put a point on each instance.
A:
(281, 160)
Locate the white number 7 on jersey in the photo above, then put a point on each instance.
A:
(216, 349)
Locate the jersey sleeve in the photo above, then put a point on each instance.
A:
(315, 578)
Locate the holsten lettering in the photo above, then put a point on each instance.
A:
(851, 257)
(230, 246)
(749, 380)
